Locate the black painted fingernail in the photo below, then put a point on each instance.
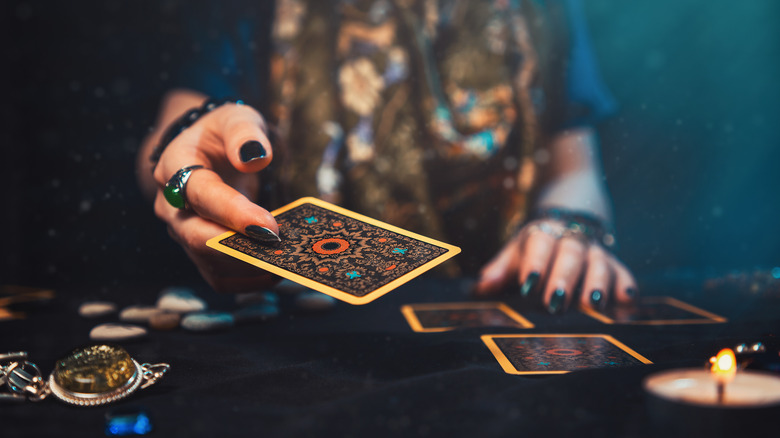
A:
(529, 284)
(556, 301)
(596, 297)
(262, 234)
(251, 150)
(631, 292)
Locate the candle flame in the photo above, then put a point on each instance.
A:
(724, 365)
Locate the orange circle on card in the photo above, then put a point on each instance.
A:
(330, 246)
(564, 352)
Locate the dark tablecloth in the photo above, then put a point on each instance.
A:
(361, 371)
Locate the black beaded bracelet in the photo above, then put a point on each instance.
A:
(582, 223)
(184, 122)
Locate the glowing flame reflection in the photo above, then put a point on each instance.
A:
(724, 365)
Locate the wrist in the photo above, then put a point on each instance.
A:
(183, 122)
(581, 222)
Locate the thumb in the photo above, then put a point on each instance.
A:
(244, 134)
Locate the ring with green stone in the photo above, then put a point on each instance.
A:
(175, 190)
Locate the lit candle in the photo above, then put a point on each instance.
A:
(732, 389)
(714, 401)
(724, 369)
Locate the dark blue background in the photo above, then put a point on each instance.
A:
(691, 156)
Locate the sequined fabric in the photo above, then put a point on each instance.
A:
(424, 114)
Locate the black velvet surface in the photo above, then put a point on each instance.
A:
(361, 371)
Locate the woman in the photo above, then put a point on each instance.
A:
(466, 121)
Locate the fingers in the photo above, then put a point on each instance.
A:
(564, 274)
(230, 142)
(537, 254)
(229, 139)
(212, 199)
(243, 131)
(524, 260)
(568, 268)
(224, 274)
(598, 279)
(626, 290)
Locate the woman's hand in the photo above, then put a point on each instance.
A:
(543, 261)
(232, 145)
(547, 259)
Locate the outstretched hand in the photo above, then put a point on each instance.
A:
(231, 144)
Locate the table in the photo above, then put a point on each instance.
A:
(361, 371)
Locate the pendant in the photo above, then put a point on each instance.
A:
(88, 376)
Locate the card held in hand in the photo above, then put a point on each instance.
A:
(346, 255)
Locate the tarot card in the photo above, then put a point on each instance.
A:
(441, 317)
(558, 354)
(346, 255)
(655, 311)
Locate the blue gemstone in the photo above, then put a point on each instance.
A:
(126, 424)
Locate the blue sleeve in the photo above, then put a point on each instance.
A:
(587, 99)
(223, 56)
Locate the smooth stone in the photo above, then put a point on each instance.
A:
(116, 332)
(251, 298)
(313, 301)
(94, 369)
(139, 313)
(165, 321)
(203, 322)
(94, 309)
(289, 286)
(180, 299)
(256, 313)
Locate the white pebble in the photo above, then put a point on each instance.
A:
(94, 309)
(116, 332)
(313, 301)
(181, 300)
(139, 313)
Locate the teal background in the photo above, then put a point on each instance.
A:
(692, 155)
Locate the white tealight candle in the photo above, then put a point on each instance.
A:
(712, 402)
(748, 389)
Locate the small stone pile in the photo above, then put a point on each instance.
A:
(181, 307)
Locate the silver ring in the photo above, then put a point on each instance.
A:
(546, 228)
(175, 190)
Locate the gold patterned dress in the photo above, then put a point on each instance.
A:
(427, 114)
